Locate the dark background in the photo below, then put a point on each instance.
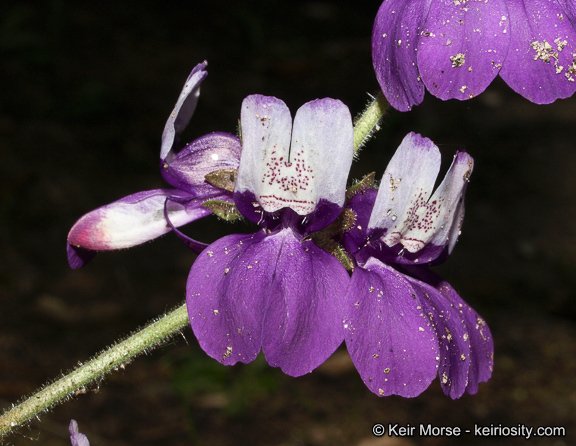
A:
(85, 90)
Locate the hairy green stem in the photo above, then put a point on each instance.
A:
(151, 336)
(155, 333)
(369, 121)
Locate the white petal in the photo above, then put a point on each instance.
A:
(266, 130)
(449, 198)
(402, 205)
(183, 110)
(133, 220)
(295, 172)
(323, 137)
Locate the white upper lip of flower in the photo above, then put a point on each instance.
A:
(405, 205)
(294, 165)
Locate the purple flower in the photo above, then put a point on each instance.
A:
(76, 438)
(276, 290)
(405, 325)
(143, 216)
(455, 48)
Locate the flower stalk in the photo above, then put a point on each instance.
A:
(368, 122)
(153, 335)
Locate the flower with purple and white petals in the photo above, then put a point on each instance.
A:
(76, 438)
(143, 216)
(455, 48)
(276, 290)
(405, 325)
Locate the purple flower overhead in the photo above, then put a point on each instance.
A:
(404, 324)
(76, 438)
(276, 290)
(143, 216)
(455, 48)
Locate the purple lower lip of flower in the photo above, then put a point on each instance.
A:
(402, 331)
(273, 293)
(456, 49)
(476, 334)
(541, 61)
(391, 341)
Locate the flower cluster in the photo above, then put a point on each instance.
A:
(455, 49)
(405, 324)
(286, 289)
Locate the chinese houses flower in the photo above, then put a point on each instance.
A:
(455, 48)
(143, 216)
(404, 324)
(275, 290)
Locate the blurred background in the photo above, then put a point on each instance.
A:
(85, 90)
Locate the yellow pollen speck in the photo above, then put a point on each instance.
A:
(458, 60)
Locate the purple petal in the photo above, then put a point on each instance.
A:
(297, 174)
(356, 237)
(183, 111)
(76, 438)
(481, 343)
(187, 169)
(394, 43)
(225, 296)
(78, 257)
(453, 337)
(569, 7)
(247, 292)
(463, 46)
(134, 219)
(390, 339)
(541, 61)
(304, 321)
(403, 196)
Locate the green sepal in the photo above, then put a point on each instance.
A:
(223, 209)
(365, 183)
(343, 257)
(224, 179)
(334, 249)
